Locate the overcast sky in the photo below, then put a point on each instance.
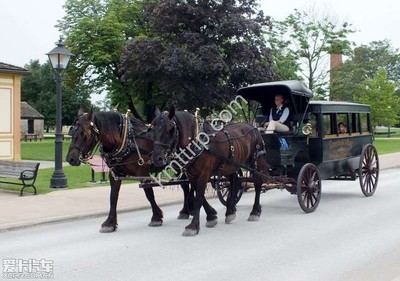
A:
(28, 32)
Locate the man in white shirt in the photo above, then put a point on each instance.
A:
(278, 117)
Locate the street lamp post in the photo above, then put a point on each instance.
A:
(59, 58)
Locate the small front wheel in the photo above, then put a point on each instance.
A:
(368, 171)
(224, 188)
(309, 188)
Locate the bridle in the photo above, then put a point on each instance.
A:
(171, 146)
(85, 153)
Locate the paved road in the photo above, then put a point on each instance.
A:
(349, 237)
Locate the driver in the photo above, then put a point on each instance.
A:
(278, 117)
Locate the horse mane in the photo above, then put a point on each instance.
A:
(108, 124)
(138, 126)
(185, 121)
(184, 124)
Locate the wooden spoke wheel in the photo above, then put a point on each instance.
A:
(369, 170)
(223, 188)
(309, 188)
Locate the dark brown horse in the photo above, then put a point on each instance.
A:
(211, 151)
(126, 148)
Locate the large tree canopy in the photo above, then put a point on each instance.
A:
(198, 53)
(371, 75)
(191, 53)
(96, 31)
(381, 95)
(350, 79)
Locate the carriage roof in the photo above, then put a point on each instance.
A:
(263, 91)
(294, 92)
(338, 107)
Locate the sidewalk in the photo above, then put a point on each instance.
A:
(61, 205)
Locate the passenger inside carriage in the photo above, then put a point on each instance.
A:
(278, 117)
(342, 128)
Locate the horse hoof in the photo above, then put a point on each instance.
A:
(190, 232)
(107, 229)
(230, 218)
(183, 216)
(212, 223)
(155, 223)
(253, 218)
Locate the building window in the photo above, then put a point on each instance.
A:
(31, 128)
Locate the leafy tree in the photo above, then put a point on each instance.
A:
(96, 32)
(380, 93)
(376, 55)
(197, 53)
(39, 90)
(363, 64)
(309, 40)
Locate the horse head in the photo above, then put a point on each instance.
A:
(83, 138)
(165, 135)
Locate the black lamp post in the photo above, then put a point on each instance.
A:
(59, 58)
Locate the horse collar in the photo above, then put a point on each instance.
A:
(124, 149)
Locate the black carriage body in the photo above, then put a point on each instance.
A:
(335, 155)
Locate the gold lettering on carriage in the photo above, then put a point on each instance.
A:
(340, 148)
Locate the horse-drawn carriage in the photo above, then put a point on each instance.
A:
(314, 149)
(238, 155)
(298, 160)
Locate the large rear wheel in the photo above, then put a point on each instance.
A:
(309, 188)
(369, 170)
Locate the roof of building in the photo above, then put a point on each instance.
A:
(12, 69)
(27, 111)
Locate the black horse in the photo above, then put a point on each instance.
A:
(210, 151)
(126, 148)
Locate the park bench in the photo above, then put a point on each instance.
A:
(30, 137)
(98, 165)
(26, 172)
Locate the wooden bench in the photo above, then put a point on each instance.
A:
(30, 137)
(98, 165)
(26, 172)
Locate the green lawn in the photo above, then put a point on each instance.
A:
(41, 150)
(387, 145)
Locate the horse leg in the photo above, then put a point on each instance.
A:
(156, 219)
(110, 224)
(212, 218)
(256, 212)
(230, 214)
(187, 202)
(194, 227)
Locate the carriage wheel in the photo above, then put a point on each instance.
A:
(369, 170)
(309, 188)
(223, 188)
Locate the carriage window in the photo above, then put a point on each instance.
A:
(328, 127)
(355, 123)
(313, 122)
(343, 123)
(364, 122)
